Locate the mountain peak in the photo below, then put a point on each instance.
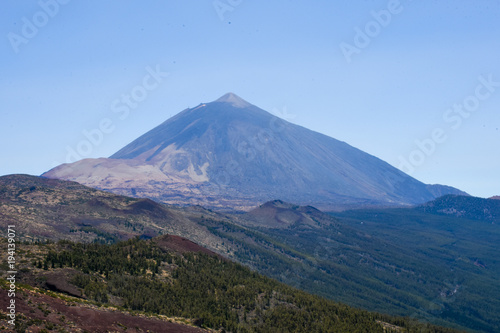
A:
(234, 100)
(230, 153)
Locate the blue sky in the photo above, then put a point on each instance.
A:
(415, 83)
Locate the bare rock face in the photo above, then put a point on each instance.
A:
(231, 154)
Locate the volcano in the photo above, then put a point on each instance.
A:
(231, 154)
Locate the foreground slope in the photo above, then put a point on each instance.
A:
(232, 154)
(177, 286)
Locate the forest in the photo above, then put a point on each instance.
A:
(214, 292)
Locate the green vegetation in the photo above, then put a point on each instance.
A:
(214, 292)
(101, 237)
(459, 260)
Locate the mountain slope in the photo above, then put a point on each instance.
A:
(231, 153)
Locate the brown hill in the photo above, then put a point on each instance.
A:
(180, 245)
(281, 215)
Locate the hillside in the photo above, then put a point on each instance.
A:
(138, 285)
(388, 268)
(466, 248)
(230, 154)
(53, 209)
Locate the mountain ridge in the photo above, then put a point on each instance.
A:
(464, 207)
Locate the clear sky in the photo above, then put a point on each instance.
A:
(415, 83)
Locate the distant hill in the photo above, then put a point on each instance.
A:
(231, 154)
(465, 207)
(281, 215)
